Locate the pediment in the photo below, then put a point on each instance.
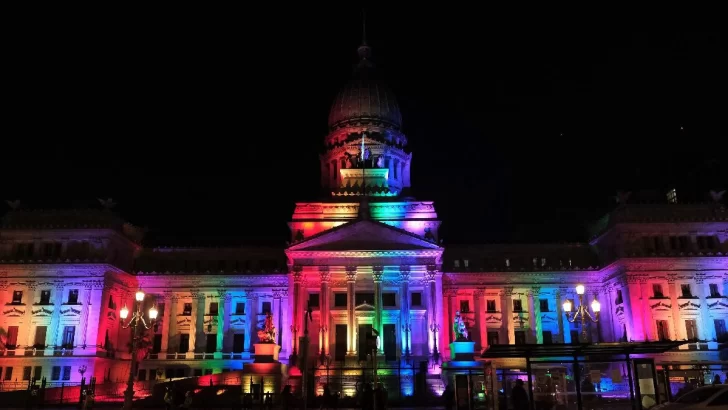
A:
(364, 235)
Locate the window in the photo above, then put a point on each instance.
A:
(238, 342)
(45, 297)
(686, 292)
(535, 262)
(543, 262)
(8, 373)
(544, 304)
(569, 262)
(684, 241)
(213, 309)
(157, 344)
(56, 373)
(26, 372)
(520, 337)
(714, 290)
(362, 298)
(12, 338)
(339, 299)
(674, 243)
(112, 304)
(493, 337)
(663, 331)
(490, 305)
(456, 263)
(73, 297)
(66, 373)
(619, 297)
(37, 372)
(547, 337)
(184, 343)
(389, 299)
(466, 263)
(240, 308)
(211, 343)
(187, 309)
(69, 333)
(40, 337)
(465, 306)
(508, 262)
(691, 329)
(672, 196)
(17, 297)
(142, 375)
(416, 299)
(720, 331)
(266, 308)
(517, 305)
(657, 291)
(313, 300)
(658, 244)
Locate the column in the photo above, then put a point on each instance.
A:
(167, 319)
(197, 327)
(27, 319)
(706, 328)
(251, 318)
(404, 310)
(223, 320)
(85, 298)
(173, 333)
(481, 330)
(277, 315)
(560, 318)
(507, 306)
(350, 282)
(536, 309)
(324, 300)
(629, 322)
(648, 321)
(433, 319)
(53, 335)
(449, 297)
(635, 302)
(296, 322)
(377, 274)
(677, 328)
(285, 325)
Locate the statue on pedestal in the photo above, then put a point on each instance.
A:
(461, 331)
(268, 333)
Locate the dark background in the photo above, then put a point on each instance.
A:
(208, 124)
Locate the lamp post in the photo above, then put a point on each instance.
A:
(134, 322)
(294, 330)
(582, 311)
(322, 356)
(82, 369)
(406, 328)
(434, 328)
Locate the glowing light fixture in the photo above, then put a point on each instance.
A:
(124, 313)
(596, 306)
(579, 289)
(567, 306)
(153, 312)
(139, 296)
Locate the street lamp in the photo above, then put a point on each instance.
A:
(582, 312)
(434, 328)
(406, 328)
(322, 356)
(134, 322)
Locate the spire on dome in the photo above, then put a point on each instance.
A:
(365, 52)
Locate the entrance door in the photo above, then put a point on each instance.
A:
(340, 346)
(238, 342)
(390, 343)
(364, 331)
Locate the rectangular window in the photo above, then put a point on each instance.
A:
(520, 337)
(691, 329)
(492, 338)
(40, 337)
(69, 333)
(187, 309)
(73, 297)
(240, 308)
(112, 304)
(663, 331)
(720, 331)
(544, 304)
(313, 300)
(266, 308)
(465, 306)
(362, 298)
(157, 344)
(714, 293)
(142, 375)
(37, 372)
(56, 373)
(517, 305)
(389, 299)
(674, 243)
(211, 343)
(27, 370)
(213, 309)
(8, 373)
(66, 373)
(12, 338)
(339, 299)
(184, 343)
(619, 297)
(466, 263)
(416, 299)
(45, 297)
(490, 306)
(686, 292)
(238, 342)
(547, 337)
(456, 263)
(657, 291)
(17, 297)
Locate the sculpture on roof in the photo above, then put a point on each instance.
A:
(268, 333)
(461, 331)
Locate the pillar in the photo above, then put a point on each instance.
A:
(565, 336)
(251, 306)
(324, 300)
(85, 298)
(677, 328)
(197, 324)
(629, 322)
(404, 310)
(507, 302)
(285, 325)
(706, 328)
(536, 309)
(350, 322)
(433, 319)
(223, 321)
(648, 322)
(167, 319)
(53, 336)
(450, 298)
(296, 322)
(377, 275)
(481, 329)
(633, 299)
(30, 300)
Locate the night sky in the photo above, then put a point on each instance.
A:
(211, 125)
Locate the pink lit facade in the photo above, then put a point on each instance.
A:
(368, 257)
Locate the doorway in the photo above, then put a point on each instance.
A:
(340, 346)
(364, 331)
(390, 343)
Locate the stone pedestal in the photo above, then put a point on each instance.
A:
(462, 362)
(266, 373)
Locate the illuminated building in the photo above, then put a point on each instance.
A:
(367, 258)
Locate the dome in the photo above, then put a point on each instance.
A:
(365, 100)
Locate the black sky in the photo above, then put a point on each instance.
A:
(211, 124)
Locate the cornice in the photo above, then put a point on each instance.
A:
(70, 270)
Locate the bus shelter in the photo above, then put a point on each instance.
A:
(577, 376)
